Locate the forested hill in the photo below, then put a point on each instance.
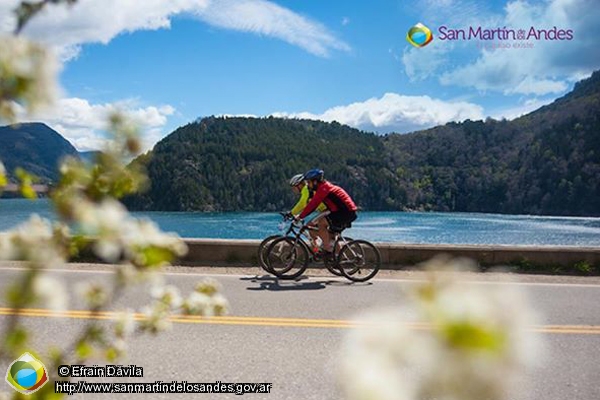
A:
(547, 162)
(34, 147)
(245, 164)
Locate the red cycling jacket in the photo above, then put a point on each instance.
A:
(334, 197)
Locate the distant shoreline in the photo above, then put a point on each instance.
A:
(14, 195)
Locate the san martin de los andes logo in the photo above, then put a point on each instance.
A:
(26, 374)
(419, 35)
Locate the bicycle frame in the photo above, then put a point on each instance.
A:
(338, 239)
(300, 232)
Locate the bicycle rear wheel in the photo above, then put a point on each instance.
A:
(359, 260)
(287, 258)
(262, 252)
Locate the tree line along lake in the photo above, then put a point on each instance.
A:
(397, 227)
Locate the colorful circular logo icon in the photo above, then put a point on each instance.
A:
(419, 35)
(26, 374)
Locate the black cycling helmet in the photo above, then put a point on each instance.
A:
(316, 174)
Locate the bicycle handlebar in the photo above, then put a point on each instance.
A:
(286, 216)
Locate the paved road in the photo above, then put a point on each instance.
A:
(288, 333)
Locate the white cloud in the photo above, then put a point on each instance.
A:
(525, 107)
(452, 12)
(83, 124)
(530, 85)
(420, 64)
(396, 113)
(95, 21)
(269, 19)
(549, 66)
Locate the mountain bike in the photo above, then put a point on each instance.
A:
(294, 230)
(357, 260)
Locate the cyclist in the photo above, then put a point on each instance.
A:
(338, 202)
(299, 187)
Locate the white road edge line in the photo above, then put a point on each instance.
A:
(399, 280)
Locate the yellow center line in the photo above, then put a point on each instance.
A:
(264, 321)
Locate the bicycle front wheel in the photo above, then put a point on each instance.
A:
(262, 252)
(359, 260)
(287, 258)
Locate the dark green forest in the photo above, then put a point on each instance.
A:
(546, 162)
(222, 164)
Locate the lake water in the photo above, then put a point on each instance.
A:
(401, 227)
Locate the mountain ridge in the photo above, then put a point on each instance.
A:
(35, 147)
(545, 162)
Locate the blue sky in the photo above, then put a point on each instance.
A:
(170, 62)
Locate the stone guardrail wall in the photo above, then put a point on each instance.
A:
(394, 255)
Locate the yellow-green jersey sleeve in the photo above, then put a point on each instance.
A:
(303, 201)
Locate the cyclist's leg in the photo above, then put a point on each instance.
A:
(339, 221)
(322, 224)
(324, 233)
(315, 222)
(314, 234)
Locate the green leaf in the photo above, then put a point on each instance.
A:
(84, 350)
(152, 256)
(26, 179)
(16, 340)
(28, 192)
(111, 354)
(466, 335)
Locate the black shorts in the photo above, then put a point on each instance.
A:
(340, 220)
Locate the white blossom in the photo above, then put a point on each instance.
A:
(125, 324)
(144, 233)
(168, 295)
(156, 319)
(34, 240)
(119, 345)
(196, 304)
(219, 305)
(50, 292)
(105, 222)
(93, 293)
(451, 341)
(375, 355)
(206, 299)
(208, 286)
(117, 234)
(28, 73)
